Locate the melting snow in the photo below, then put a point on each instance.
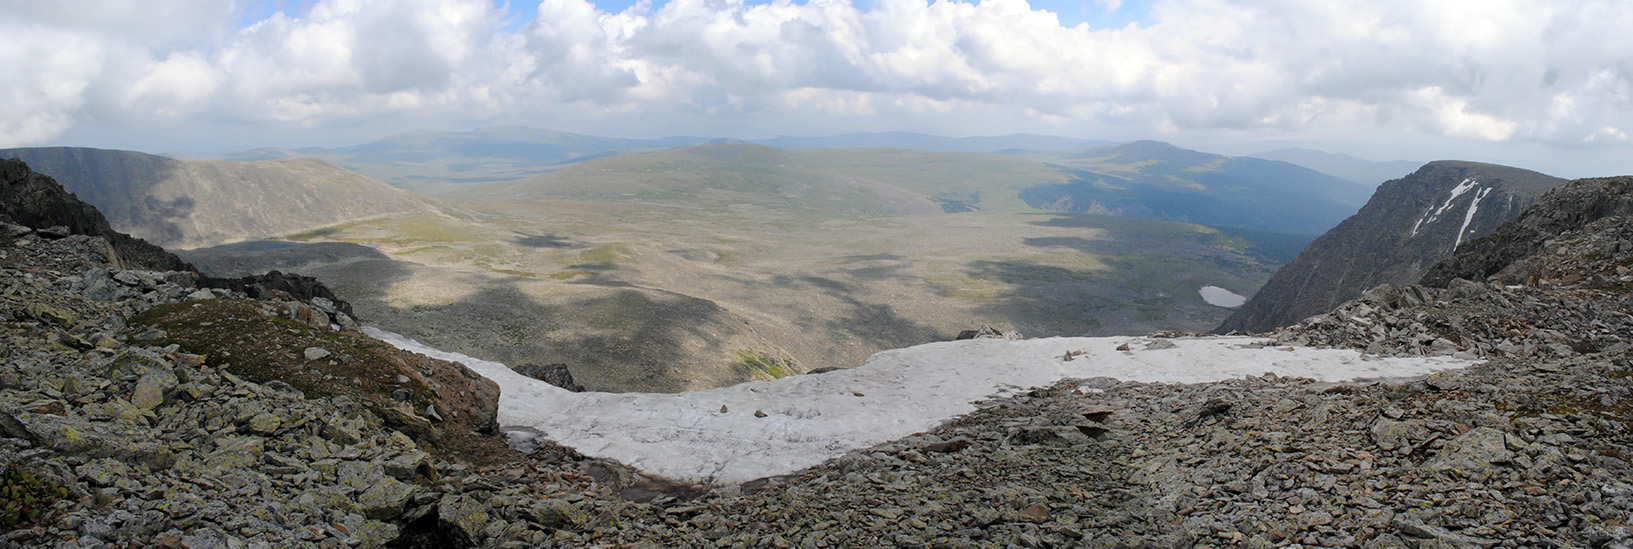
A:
(1220, 297)
(1468, 217)
(1430, 216)
(714, 435)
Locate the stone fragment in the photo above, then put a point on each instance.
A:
(152, 387)
(1474, 454)
(464, 512)
(104, 472)
(385, 499)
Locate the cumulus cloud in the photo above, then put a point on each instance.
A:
(1539, 71)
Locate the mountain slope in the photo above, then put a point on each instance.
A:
(1407, 226)
(1156, 180)
(426, 160)
(198, 203)
(822, 182)
(1145, 179)
(923, 142)
(34, 200)
(432, 160)
(1362, 171)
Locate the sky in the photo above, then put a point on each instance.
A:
(1542, 84)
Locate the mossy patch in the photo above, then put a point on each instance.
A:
(237, 336)
(614, 253)
(762, 366)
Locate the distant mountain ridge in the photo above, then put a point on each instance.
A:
(1409, 224)
(420, 160)
(1156, 180)
(187, 204)
(1359, 170)
(1145, 179)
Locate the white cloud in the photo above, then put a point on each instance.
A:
(1540, 71)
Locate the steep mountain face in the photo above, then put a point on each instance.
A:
(199, 203)
(1156, 180)
(1573, 207)
(1407, 226)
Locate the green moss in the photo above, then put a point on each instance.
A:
(727, 257)
(235, 335)
(613, 253)
(765, 367)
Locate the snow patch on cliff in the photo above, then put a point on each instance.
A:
(1430, 216)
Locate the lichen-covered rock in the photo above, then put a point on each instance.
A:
(464, 512)
(152, 387)
(1474, 454)
(386, 499)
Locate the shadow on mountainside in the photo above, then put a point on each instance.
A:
(544, 241)
(259, 256)
(121, 184)
(878, 268)
(1122, 286)
(611, 338)
(875, 325)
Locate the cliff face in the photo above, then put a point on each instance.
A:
(1409, 224)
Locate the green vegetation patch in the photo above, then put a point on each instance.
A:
(25, 497)
(762, 366)
(235, 335)
(315, 234)
(613, 253)
(964, 286)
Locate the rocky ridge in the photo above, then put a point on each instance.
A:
(1407, 226)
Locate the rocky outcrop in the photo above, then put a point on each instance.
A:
(174, 415)
(1605, 203)
(300, 287)
(1409, 224)
(37, 201)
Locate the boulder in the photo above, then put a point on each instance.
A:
(554, 374)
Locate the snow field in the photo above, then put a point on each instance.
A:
(714, 436)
